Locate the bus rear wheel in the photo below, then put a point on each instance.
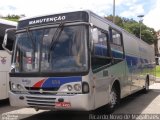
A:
(146, 89)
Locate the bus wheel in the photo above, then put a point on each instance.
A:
(114, 100)
(146, 89)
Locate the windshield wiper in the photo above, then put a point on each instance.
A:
(31, 38)
(55, 38)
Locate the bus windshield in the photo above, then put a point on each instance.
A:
(39, 51)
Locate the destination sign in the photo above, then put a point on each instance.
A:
(80, 16)
(46, 20)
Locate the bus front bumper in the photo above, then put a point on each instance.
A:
(80, 102)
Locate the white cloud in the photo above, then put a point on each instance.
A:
(133, 10)
(152, 19)
(101, 7)
(37, 7)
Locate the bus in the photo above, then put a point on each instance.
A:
(76, 61)
(5, 58)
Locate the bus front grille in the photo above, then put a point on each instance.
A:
(45, 89)
(40, 101)
(36, 90)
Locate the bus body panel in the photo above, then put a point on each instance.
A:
(72, 102)
(35, 89)
(139, 59)
(104, 81)
(5, 59)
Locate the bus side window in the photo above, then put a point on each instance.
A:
(100, 54)
(116, 44)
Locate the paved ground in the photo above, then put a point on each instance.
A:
(5, 107)
(137, 104)
(142, 103)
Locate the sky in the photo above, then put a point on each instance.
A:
(124, 8)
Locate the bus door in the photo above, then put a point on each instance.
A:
(100, 59)
(118, 63)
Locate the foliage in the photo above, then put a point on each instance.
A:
(14, 18)
(118, 20)
(11, 19)
(147, 34)
(157, 71)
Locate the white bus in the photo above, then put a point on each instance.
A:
(76, 61)
(5, 58)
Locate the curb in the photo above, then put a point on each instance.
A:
(157, 80)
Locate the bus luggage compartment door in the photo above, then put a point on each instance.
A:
(3, 85)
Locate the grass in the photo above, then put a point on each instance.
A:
(157, 71)
(12, 19)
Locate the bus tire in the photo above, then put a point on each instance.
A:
(146, 88)
(114, 100)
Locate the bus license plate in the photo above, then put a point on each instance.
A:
(63, 104)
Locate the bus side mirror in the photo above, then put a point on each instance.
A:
(94, 39)
(4, 44)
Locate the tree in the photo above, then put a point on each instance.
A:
(147, 34)
(13, 17)
(118, 20)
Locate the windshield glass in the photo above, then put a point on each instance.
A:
(37, 51)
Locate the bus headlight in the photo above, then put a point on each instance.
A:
(16, 87)
(19, 87)
(69, 87)
(13, 86)
(85, 87)
(77, 87)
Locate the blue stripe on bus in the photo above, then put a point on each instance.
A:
(58, 81)
(101, 50)
(133, 62)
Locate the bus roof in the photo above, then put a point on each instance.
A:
(43, 15)
(80, 11)
(4, 24)
(7, 22)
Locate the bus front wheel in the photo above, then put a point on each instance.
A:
(114, 99)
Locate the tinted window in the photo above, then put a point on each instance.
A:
(116, 44)
(100, 56)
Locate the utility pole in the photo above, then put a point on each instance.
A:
(113, 11)
(140, 24)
